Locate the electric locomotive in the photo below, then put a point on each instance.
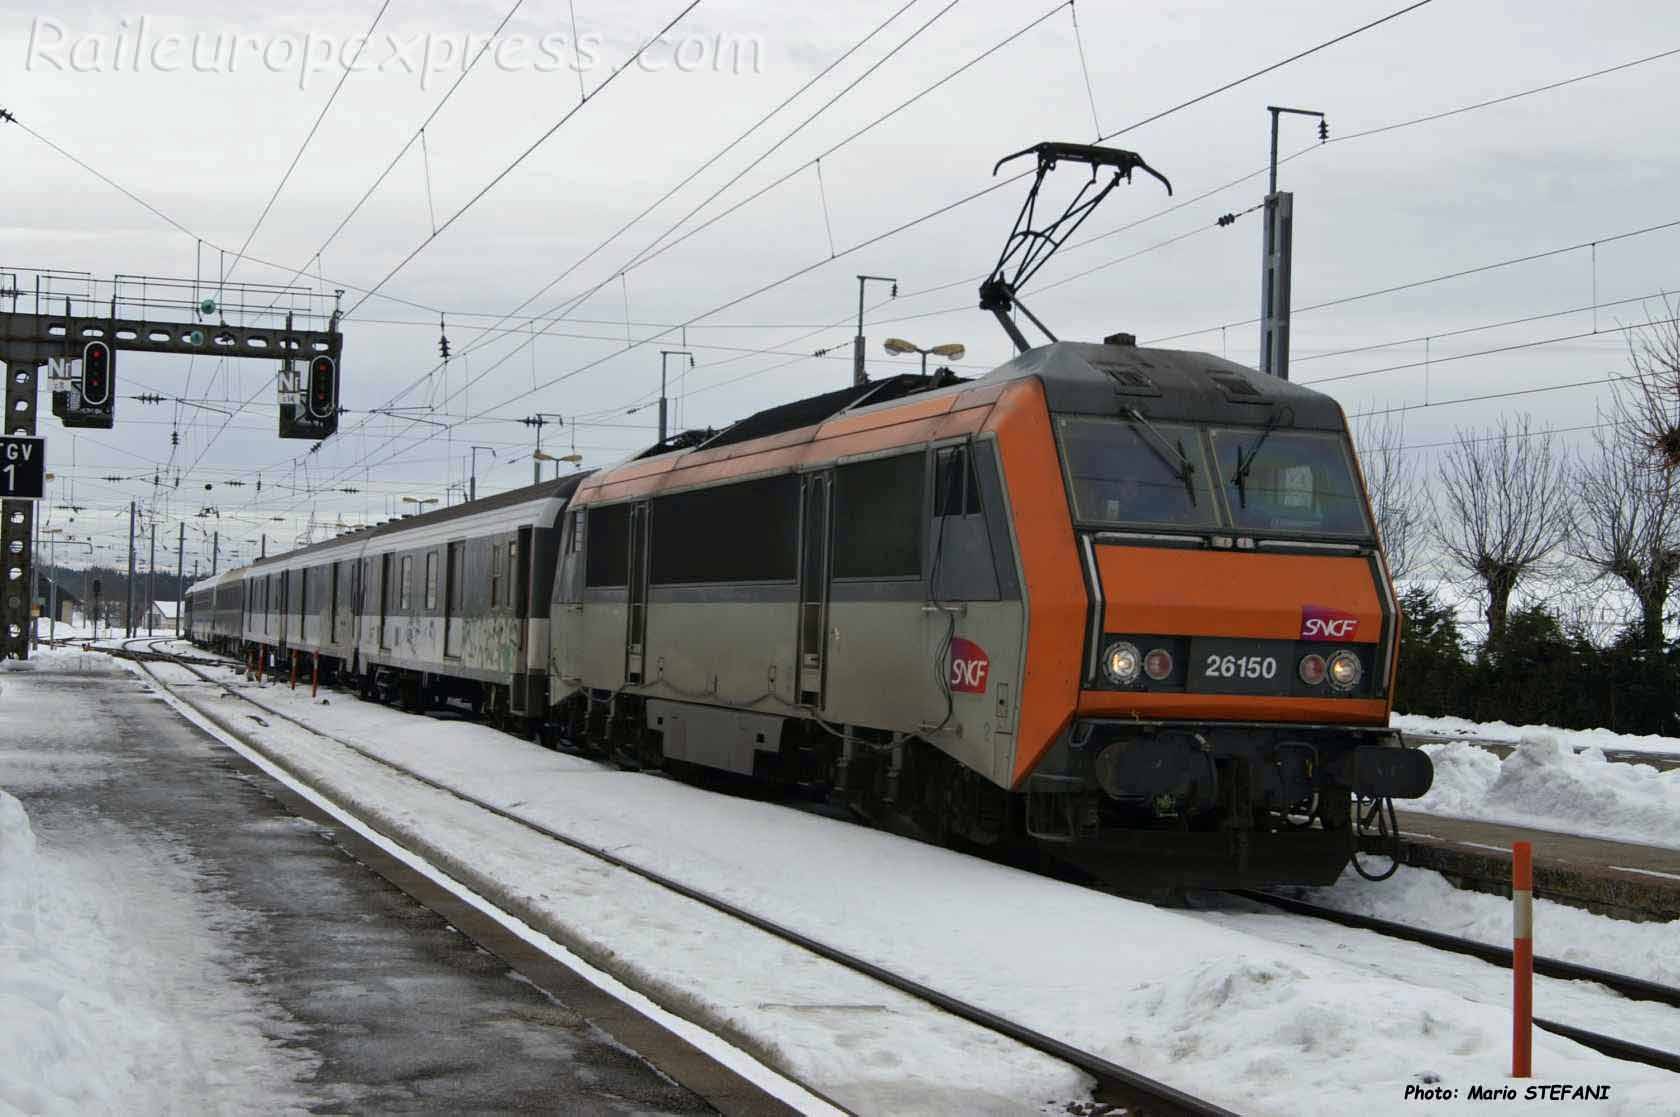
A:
(1127, 605)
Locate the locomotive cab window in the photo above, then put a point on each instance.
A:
(1289, 481)
(1124, 472)
(955, 492)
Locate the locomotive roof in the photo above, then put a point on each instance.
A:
(1169, 385)
(1093, 379)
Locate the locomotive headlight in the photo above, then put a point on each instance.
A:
(1344, 670)
(1121, 662)
(1158, 664)
(1312, 670)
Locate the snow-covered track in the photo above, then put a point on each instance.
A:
(1633, 988)
(1116, 1084)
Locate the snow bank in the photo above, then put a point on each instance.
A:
(1504, 732)
(111, 996)
(1546, 785)
(1422, 898)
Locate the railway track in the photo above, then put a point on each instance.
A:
(1123, 1090)
(1632, 988)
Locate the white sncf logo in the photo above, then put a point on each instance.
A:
(1321, 622)
(969, 666)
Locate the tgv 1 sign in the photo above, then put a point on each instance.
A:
(23, 467)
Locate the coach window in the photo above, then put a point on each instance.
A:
(954, 490)
(431, 581)
(406, 582)
(878, 518)
(743, 532)
(495, 575)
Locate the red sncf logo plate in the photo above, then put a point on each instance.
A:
(969, 667)
(1320, 622)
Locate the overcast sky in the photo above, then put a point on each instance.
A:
(205, 141)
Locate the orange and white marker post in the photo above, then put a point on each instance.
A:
(1522, 959)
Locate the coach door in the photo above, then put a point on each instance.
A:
(636, 638)
(815, 491)
(519, 569)
(454, 558)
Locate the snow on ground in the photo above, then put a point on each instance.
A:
(1546, 785)
(116, 994)
(1504, 733)
(1258, 1025)
(1582, 1004)
(1422, 898)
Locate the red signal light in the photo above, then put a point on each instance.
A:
(96, 374)
(323, 387)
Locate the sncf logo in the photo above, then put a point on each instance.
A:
(969, 667)
(1319, 622)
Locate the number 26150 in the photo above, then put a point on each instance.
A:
(1241, 667)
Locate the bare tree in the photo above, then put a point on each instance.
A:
(1651, 402)
(1628, 524)
(1398, 499)
(1505, 514)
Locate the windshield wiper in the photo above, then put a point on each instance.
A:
(1170, 452)
(1245, 464)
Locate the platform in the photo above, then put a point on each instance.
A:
(1623, 879)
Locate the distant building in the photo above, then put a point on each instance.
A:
(68, 603)
(160, 615)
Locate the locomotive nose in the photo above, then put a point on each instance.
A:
(1241, 594)
(1235, 633)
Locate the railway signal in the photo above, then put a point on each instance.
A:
(323, 387)
(90, 401)
(96, 373)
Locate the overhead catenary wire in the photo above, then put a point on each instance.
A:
(477, 341)
(521, 157)
(948, 207)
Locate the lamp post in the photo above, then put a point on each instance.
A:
(537, 458)
(859, 378)
(420, 501)
(952, 350)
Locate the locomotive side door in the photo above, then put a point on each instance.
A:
(636, 639)
(815, 494)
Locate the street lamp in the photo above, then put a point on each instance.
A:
(537, 458)
(421, 501)
(953, 350)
